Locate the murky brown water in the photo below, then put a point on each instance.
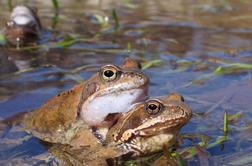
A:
(192, 38)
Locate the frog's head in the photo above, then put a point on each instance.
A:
(155, 121)
(113, 90)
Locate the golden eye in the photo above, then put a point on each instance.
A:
(153, 107)
(109, 73)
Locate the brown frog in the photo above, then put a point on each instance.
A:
(95, 103)
(146, 128)
(23, 26)
(150, 125)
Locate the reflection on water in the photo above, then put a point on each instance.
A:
(192, 38)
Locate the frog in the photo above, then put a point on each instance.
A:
(23, 26)
(89, 107)
(150, 125)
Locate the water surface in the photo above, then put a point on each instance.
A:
(191, 38)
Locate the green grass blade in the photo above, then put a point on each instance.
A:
(115, 17)
(129, 48)
(232, 68)
(10, 5)
(225, 123)
(151, 63)
(55, 4)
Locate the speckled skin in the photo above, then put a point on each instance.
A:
(136, 132)
(141, 133)
(59, 121)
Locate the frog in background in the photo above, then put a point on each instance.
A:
(23, 26)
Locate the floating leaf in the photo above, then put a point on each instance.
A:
(189, 152)
(75, 77)
(151, 63)
(232, 118)
(66, 43)
(199, 80)
(203, 137)
(217, 142)
(84, 67)
(24, 71)
(232, 68)
(129, 4)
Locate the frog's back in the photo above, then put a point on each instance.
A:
(55, 116)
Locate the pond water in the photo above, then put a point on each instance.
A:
(190, 39)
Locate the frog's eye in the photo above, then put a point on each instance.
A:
(109, 73)
(153, 107)
(9, 23)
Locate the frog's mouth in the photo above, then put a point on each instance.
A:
(104, 109)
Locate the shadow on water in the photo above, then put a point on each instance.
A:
(191, 39)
